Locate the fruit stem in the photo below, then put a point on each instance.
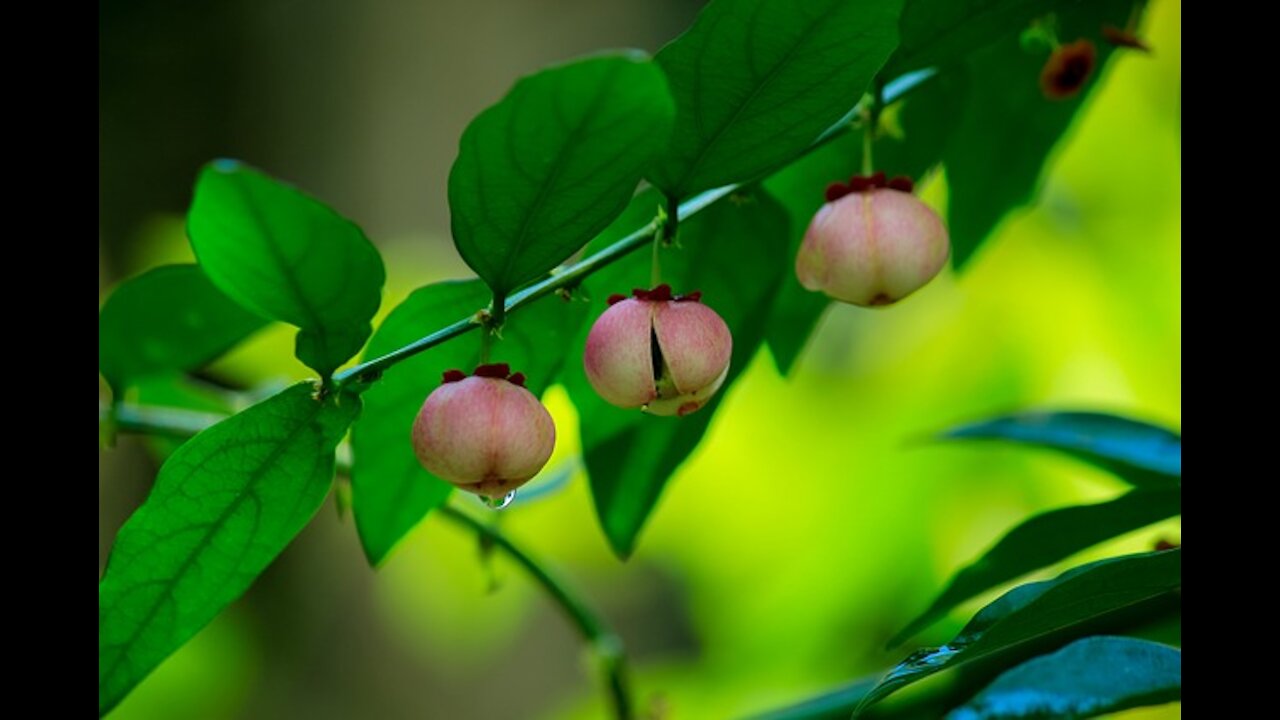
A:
(603, 641)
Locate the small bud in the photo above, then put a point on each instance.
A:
(665, 354)
(1067, 69)
(873, 247)
(485, 434)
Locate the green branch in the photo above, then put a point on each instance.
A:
(568, 277)
(603, 641)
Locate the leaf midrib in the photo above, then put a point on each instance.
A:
(204, 542)
(733, 117)
(557, 167)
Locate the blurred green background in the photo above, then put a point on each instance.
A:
(812, 523)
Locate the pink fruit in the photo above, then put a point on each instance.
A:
(665, 354)
(486, 433)
(872, 243)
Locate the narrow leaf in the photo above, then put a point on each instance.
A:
(1138, 452)
(166, 320)
(288, 257)
(1085, 679)
(391, 492)
(222, 508)
(910, 141)
(757, 81)
(735, 253)
(548, 167)
(1046, 539)
(1008, 128)
(1043, 612)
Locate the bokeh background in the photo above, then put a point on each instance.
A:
(814, 520)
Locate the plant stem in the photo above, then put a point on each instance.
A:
(570, 276)
(603, 641)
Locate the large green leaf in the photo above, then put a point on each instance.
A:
(548, 167)
(287, 256)
(1071, 603)
(757, 81)
(1140, 453)
(391, 492)
(169, 319)
(1046, 539)
(223, 507)
(735, 253)
(1008, 128)
(909, 145)
(945, 32)
(1085, 679)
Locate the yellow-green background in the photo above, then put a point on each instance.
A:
(812, 522)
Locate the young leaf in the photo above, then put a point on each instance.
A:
(287, 256)
(391, 492)
(945, 32)
(734, 252)
(757, 81)
(1004, 136)
(910, 145)
(1046, 539)
(1139, 453)
(1085, 679)
(223, 507)
(169, 319)
(1043, 611)
(545, 169)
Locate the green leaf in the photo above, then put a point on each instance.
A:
(391, 492)
(1008, 128)
(945, 32)
(169, 319)
(223, 507)
(735, 252)
(910, 145)
(1046, 539)
(287, 256)
(1042, 612)
(757, 81)
(1138, 452)
(1085, 679)
(544, 170)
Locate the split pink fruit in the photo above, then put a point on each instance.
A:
(486, 433)
(872, 243)
(665, 354)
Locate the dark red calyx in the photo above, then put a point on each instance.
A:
(1124, 38)
(1163, 544)
(454, 376)
(616, 298)
(695, 296)
(835, 191)
(517, 379)
(662, 293)
(867, 183)
(496, 370)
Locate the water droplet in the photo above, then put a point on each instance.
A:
(494, 503)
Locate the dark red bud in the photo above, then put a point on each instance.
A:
(1163, 544)
(695, 296)
(496, 370)
(835, 191)
(517, 379)
(902, 183)
(616, 298)
(877, 179)
(453, 376)
(859, 184)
